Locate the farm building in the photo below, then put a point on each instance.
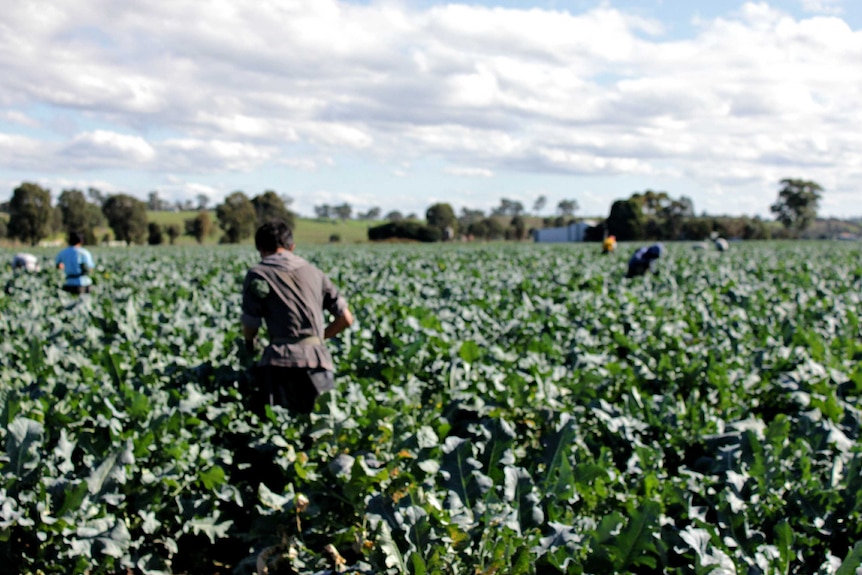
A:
(574, 232)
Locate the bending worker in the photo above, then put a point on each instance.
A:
(291, 296)
(642, 260)
(25, 262)
(77, 263)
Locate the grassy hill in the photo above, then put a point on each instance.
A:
(307, 231)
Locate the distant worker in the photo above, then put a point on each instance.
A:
(25, 262)
(642, 260)
(291, 296)
(609, 244)
(77, 263)
(721, 244)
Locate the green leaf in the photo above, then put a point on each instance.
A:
(470, 352)
(392, 556)
(209, 526)
(851, 563)
(635, 545)
(784, 540)
(23, 445)
(212, 477)
(73, 499)
(98, 476)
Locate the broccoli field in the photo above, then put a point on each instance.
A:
(509, 409)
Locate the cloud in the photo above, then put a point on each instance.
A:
(197, 89)
(102, 147)
(193, 155)
(470, 172)
(823, 6)
(19, 118)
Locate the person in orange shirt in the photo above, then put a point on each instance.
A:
(609, 244)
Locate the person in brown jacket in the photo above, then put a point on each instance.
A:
(292, 297)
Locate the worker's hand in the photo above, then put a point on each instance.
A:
(246, 350)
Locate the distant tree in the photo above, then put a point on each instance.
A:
(539, 204)
(410, 230)
(478, 229)
(626, 220)
(797, 203)
(517, 209)
(343, 211)
(324, 212)
(3, 228)
(394, 216)
(487, 228)
(469, 217)
(203, 201)
(673, 216)
(155, 203)
(173, 231)
(269, 207)
(568, 207)
(371, 214)
(199, 227)
(519, 228)
(442, 217)
(56, 225)
(495, 228)
(697, 228)
(80, 215)
(96, 196)
(237, 218)
(127, 216)
(30, 213)
(154, 234)
(508, 208)
(652, 203)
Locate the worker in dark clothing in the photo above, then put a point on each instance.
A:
(291, 296)
(642, 260)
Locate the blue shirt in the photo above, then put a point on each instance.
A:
(72, 258)
(645, 256)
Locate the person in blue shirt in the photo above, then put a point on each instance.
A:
(642, 260)
(77, 263)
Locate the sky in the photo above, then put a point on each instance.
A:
(399, 104)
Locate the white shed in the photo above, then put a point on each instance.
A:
(574, 232)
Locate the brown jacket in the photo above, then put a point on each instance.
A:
(291, 295)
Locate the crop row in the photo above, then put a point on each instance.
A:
(518, 409)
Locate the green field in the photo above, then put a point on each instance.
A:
(507, 408)
(307, 231)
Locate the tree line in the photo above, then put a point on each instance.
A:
(648, 215)
(33, 217)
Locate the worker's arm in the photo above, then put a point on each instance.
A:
(249, 333)
(339, 324)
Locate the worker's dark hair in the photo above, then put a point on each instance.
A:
(75, 238)
(273, 235)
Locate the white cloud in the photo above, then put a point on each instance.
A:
(823, 6)
(470, 172)
(308, 164)
(208, 155)
(19, 118)
(196, 89)
(102, 146)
